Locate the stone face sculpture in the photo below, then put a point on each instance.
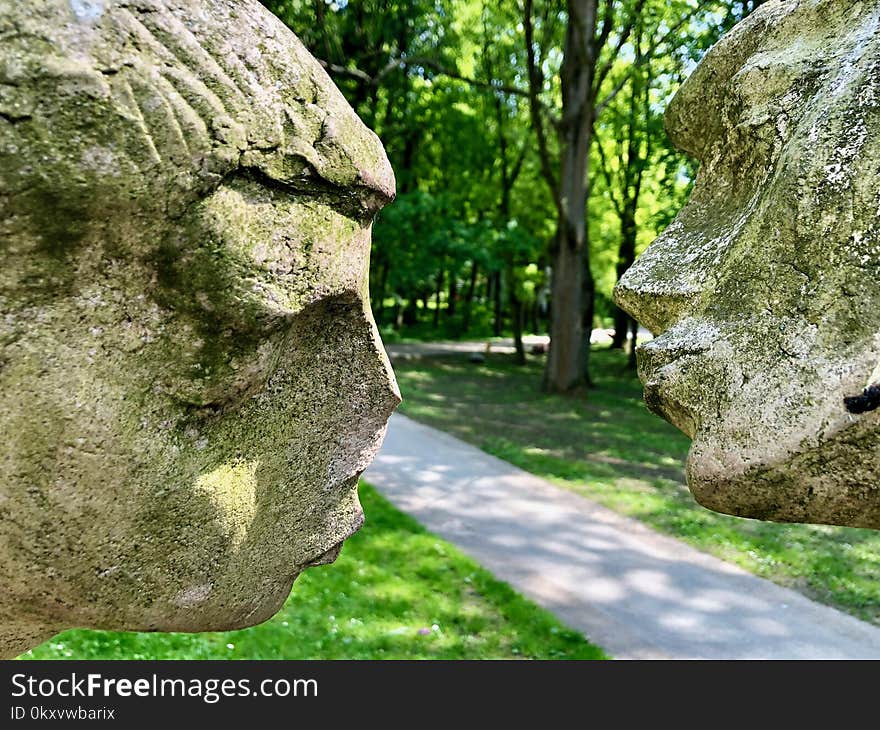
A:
(190, 377)
(764, 293)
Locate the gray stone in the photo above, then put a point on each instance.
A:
(191, 380)
(764, 293)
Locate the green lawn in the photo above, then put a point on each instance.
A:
(608, 447)
(396, 592)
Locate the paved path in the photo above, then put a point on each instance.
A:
(632, 591)
(412, 350)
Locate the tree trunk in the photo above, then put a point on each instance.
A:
(498, 325)
(437, 298)
(621, 327)
(588, 302)
(564, 369)
(626, 256)
(469, 298)
(517, 313)
(453, 292)
(410, 313)
(573, 287)
(631, 363)
(638, 151)
(509, 173)
(517, 317)
(581, 78)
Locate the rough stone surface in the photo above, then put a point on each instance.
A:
(190, 377)
(765, 291)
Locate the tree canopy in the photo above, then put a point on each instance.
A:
(527, 138)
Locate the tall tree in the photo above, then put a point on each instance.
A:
(582, 73)
(510, 154)
(631, 142)
(636, 137)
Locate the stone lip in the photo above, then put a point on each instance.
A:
(763, 293)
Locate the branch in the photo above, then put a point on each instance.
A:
(600, 107)
(535, 87)
(674, 29)
(392, 65)
(400, 63)
(517, 166)
(478, 83)
(354, 73)
(622, 39)
(618, 208)
(646, 100)
(652, 49)
(549, 20)
(607, 24)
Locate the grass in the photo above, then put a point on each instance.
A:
(396, 592)
(608, 447)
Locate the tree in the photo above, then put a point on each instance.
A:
(632, 143)
(511, 154)
(636, 132)
(456, 96)
(581, 76)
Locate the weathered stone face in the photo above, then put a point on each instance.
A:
(765, 291)
(190, 377)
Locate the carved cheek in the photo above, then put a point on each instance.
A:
(236, 272)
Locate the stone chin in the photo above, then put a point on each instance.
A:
(775, 443)
(832, 481)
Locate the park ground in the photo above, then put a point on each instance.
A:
(605, 445)
(398, 591)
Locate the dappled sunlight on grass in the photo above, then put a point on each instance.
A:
(423, 377)
(396, 592)
(606, 446)
(535, 451)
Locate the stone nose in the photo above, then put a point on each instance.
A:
(669, 281)
(660, 289)
(654, 304)
(351, 159)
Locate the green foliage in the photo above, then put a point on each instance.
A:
(443, 83)
(609, 448)
(396, 592)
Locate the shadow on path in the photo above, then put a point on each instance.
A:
(632, 591)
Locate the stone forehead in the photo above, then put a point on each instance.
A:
(159, 99)
(793, 53)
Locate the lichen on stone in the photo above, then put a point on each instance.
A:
(764, 293)
(190, 376)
